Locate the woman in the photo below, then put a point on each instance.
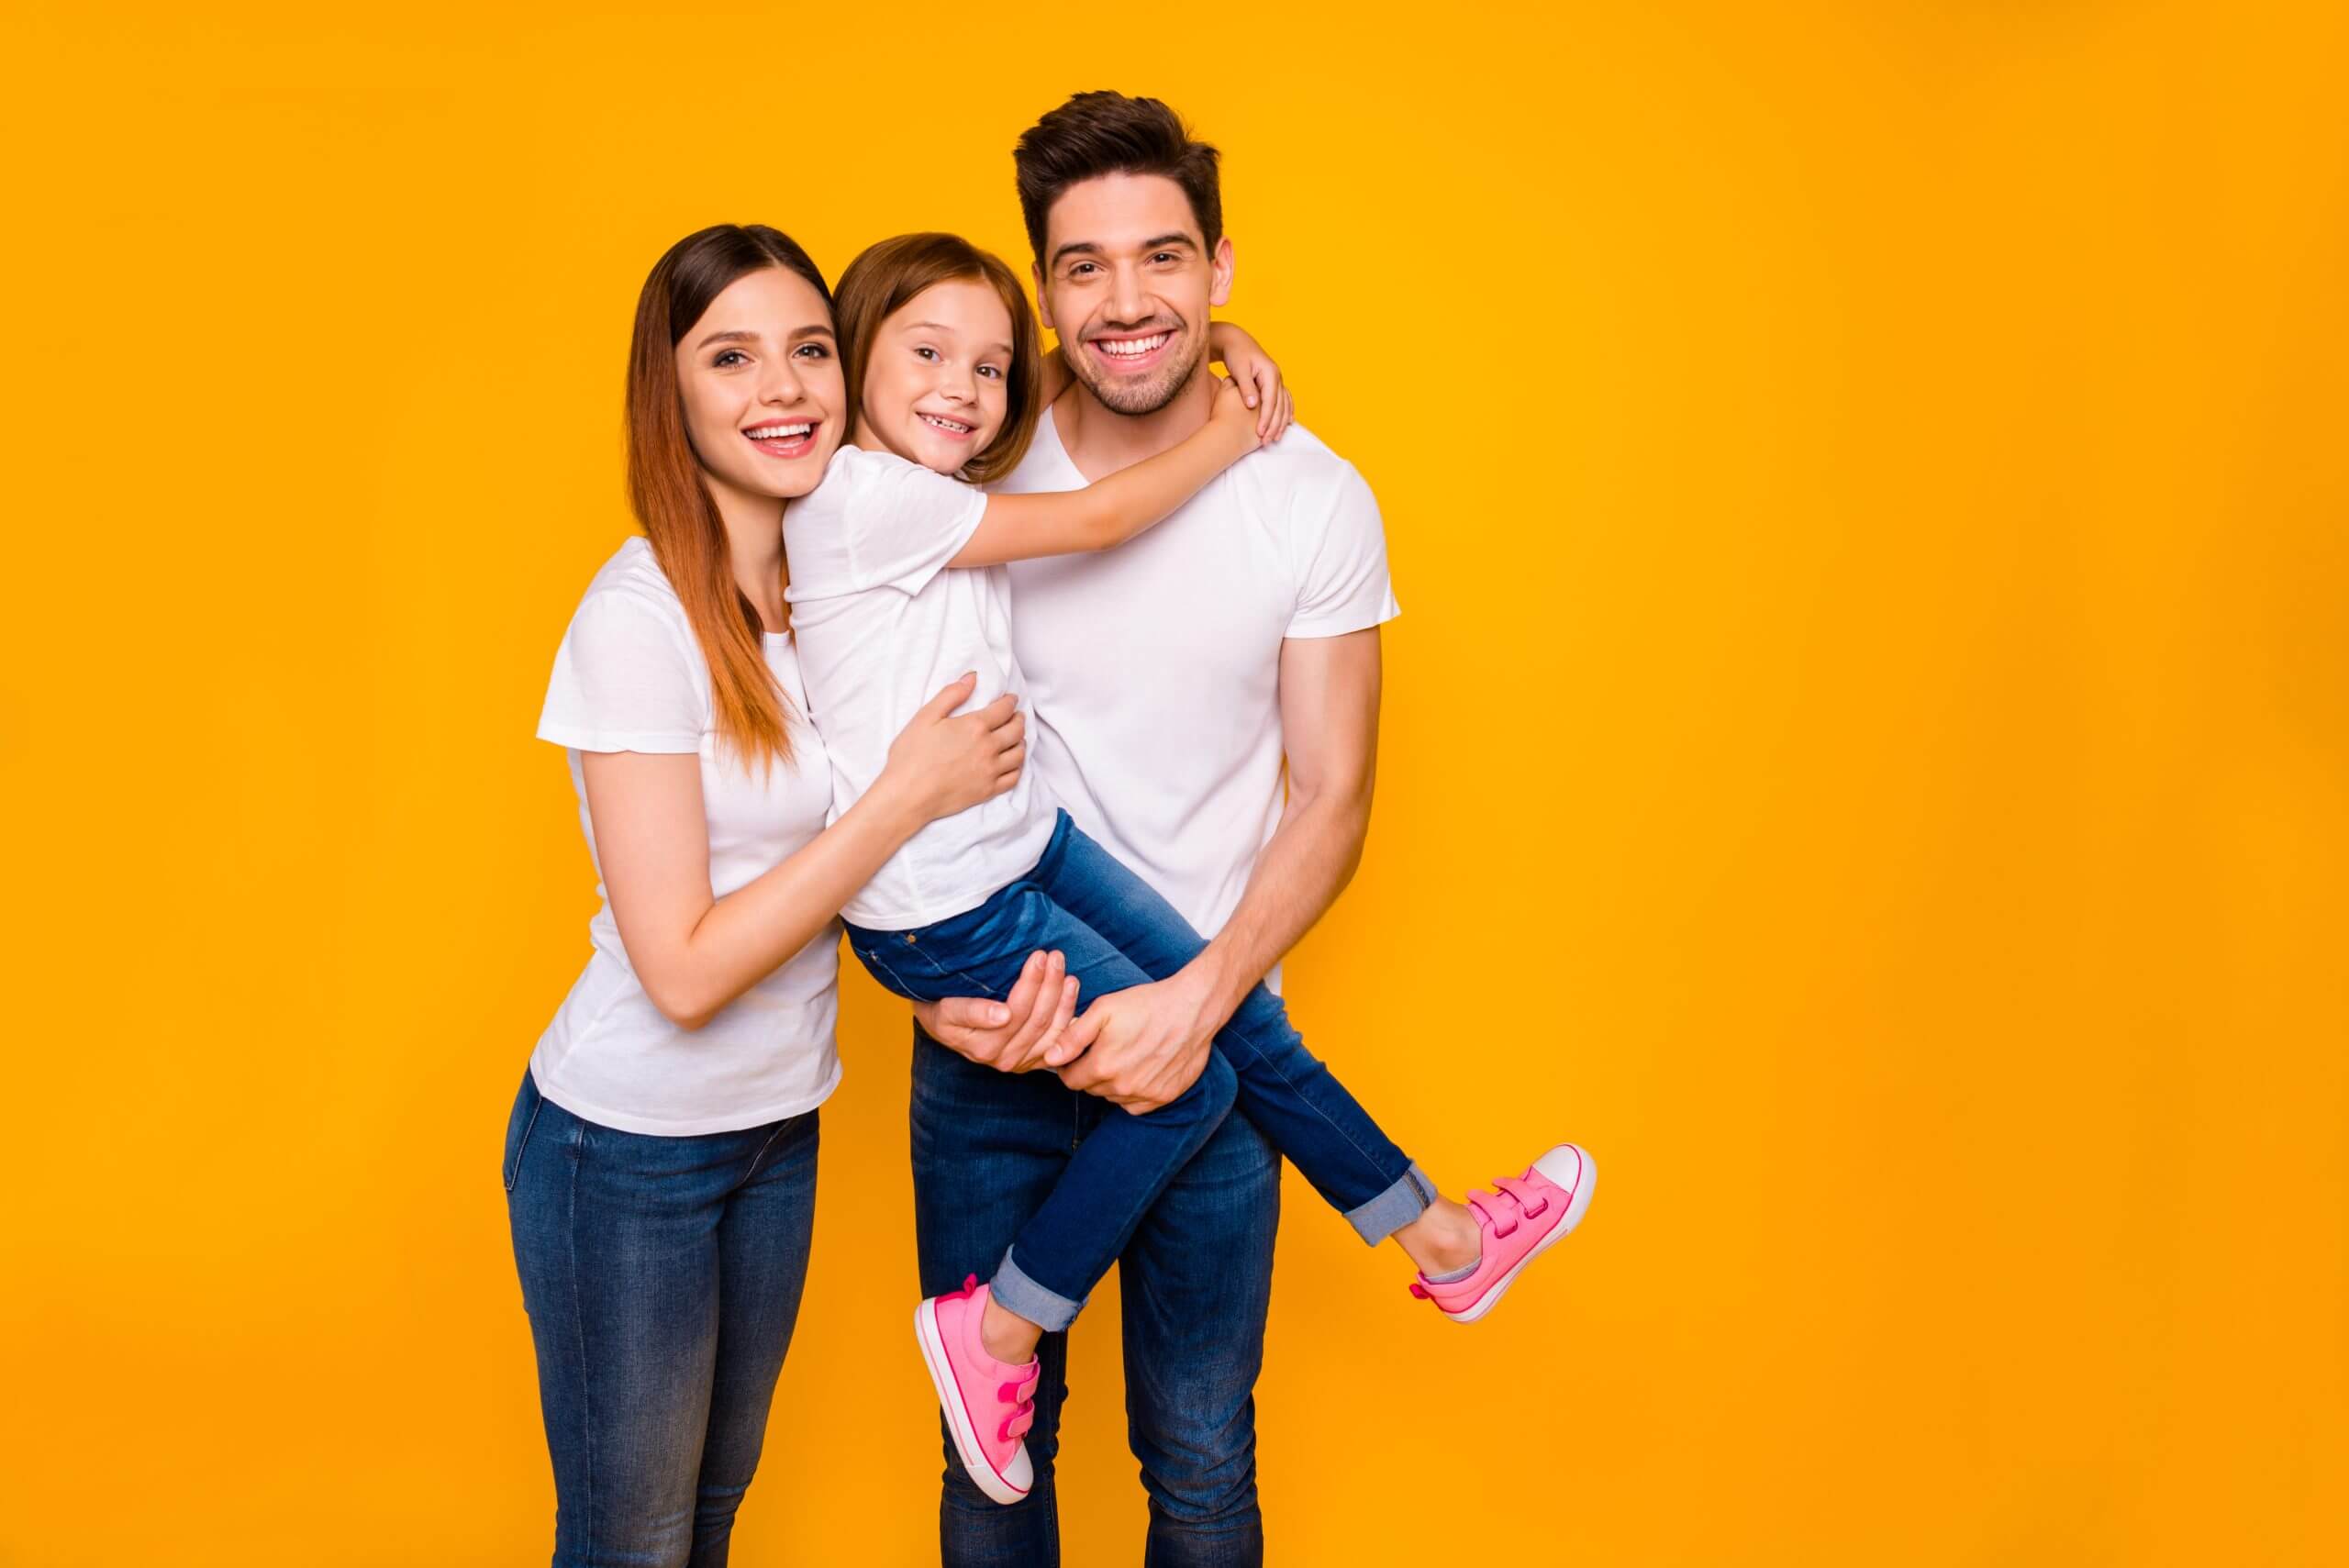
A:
(661, 1158)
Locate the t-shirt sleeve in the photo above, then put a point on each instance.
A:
(1343, 583)
(626, 679)
(904, 523)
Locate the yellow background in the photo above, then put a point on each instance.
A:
(1864, 752)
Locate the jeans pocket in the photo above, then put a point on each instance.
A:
(527, 1101)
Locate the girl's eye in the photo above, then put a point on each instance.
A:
(814, 350)
(991, 370)
(927, 352)
(729, 358)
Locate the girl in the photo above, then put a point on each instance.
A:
(897, 576)
(660, 1157)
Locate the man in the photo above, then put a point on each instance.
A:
(1168, 679)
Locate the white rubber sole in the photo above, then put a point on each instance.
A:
(1000, 1488)
(1572, 1168)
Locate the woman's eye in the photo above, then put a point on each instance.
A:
(815, 351)
(728, 359)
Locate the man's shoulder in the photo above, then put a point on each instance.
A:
(1297, 475)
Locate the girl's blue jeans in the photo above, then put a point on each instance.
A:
(1117, 932)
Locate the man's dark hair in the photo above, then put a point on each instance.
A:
(1107, 133)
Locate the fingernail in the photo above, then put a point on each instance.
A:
(998, 1015)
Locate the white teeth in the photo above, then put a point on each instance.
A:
(1134, 346)
(779, 432)
(946, 424)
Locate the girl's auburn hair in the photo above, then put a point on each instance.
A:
(669, 496)
(884, 279)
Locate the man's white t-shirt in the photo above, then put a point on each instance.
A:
(883, 624)
(1154, 669)
(630, 677)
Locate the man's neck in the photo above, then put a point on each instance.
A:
(1100, 441)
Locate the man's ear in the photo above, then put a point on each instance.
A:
(1219, 285)
(1043, 306)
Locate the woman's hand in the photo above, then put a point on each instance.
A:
(1254, 373)
(942, 762)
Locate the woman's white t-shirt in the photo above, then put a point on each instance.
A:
(630, 677)
(883, 623)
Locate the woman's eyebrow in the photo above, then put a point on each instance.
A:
(734, 335)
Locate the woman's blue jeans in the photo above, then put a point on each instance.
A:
(1117, 932)
(662, 1277)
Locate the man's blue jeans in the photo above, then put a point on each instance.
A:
(662, 1277)
(1117, 932)
(1197, 1279)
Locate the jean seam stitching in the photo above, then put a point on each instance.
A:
(579, 1335)
(1368, 1159)
(939, 969)
(515, 1173)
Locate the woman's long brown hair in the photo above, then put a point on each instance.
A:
(666, 490)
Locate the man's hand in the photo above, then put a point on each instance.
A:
(1143, 1047)
(1013, 1035)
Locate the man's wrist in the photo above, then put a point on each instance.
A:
(1220, 980)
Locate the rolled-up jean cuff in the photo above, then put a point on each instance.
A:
(1397, 1206)
(1018, 1293)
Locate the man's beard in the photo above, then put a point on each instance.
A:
(1121, 395)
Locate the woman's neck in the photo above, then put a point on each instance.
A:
(754, 542)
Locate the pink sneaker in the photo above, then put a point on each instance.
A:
(1532, 1212)
(989, 1404)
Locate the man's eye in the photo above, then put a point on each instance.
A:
(1164, 256)
(1080, 269)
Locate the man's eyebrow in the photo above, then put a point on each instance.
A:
(1155, 242)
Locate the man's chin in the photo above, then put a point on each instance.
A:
(1141, 395)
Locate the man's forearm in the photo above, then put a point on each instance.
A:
(1311, 858)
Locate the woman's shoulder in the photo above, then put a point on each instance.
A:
(629, 598)
(633, 572)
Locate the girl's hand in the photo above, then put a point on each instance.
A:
(945, 762)
(1231, 416)
(1258, 378)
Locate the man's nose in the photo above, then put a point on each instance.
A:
(1129, 303)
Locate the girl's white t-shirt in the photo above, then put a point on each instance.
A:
(883, 624)
(630, 677)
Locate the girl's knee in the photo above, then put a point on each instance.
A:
(1218, 1085)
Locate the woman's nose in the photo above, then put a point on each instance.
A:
(781, 385)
